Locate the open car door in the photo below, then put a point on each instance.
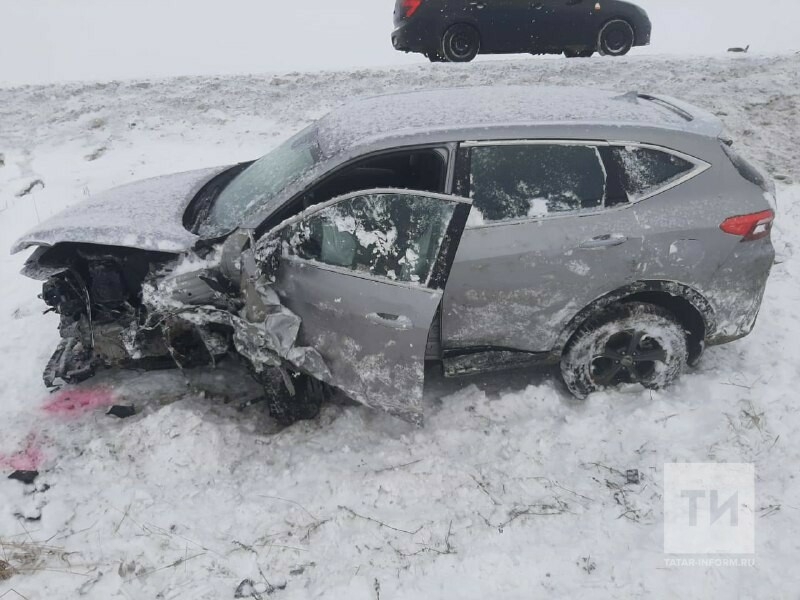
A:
(365, 272)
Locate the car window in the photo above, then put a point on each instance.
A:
(646, 170)
(510, 182)
(391, 235)
(416, 169)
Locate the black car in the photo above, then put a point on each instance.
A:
(459, 30)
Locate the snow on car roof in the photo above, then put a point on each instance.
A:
(458, 110)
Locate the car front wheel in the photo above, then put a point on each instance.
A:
(461, 43)
(616, 38)
(286, 406)
(626, 344)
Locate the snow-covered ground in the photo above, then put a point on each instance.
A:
(513, 489)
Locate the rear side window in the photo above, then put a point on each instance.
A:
(646, 171)
(510, 182)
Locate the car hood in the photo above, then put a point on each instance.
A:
(146, 214)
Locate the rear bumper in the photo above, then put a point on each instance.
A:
(414, 35)
(642, 30)
(737, 291)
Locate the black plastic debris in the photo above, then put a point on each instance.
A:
(632, 475)
(250, 589)
(27, 477)
(246, 589)
(31, 516)
(121, 411)
(33, 185)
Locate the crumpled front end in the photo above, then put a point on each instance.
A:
(247, 317)
(129, 308)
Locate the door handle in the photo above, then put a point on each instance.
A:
(390, 320)
(604, 241)
(477, 5)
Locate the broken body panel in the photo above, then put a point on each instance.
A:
(254, 297)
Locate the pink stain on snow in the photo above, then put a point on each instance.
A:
(29, 458)
(78, 401)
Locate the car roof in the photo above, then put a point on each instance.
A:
(451, 114)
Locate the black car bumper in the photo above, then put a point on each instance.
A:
(414, 35)
(642, 29)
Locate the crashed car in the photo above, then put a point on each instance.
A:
(484, 228)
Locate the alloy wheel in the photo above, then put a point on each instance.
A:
(628, 357)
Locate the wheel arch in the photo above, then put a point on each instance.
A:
(617, 17)
(688, 305)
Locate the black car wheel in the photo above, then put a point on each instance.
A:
(616, 38)
(461, 43)
(585, 53)
(626, 344)
(287, 407)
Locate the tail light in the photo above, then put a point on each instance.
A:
(750, 227)
(411, 6)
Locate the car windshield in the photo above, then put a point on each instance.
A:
(259, 183)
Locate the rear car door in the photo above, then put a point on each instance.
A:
(542, 26)
(503, 24)
(548, 233)
(575, 23)
(366, 272)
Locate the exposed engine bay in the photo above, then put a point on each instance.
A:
(131, 308)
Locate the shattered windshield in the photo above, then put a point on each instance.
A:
(259, 183)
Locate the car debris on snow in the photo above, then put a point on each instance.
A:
(26, 477)
(33, 185)
(121, 411)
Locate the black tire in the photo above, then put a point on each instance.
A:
(461, 43)
(616, 38)
(627, 343)
(585, 53)
(287, 408)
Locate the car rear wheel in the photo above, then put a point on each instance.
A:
(461, 43)
(585, 53)
(626, 344)
(616, 38)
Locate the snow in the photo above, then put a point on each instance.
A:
(512, 489)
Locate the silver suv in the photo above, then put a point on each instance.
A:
(615, 234)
